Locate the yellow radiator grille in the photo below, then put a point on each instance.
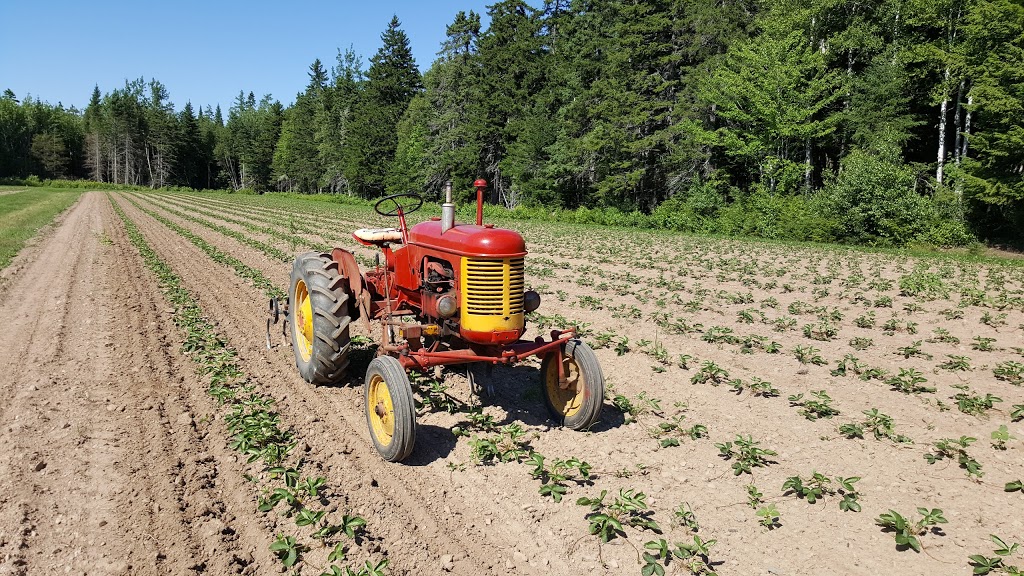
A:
(493, 287)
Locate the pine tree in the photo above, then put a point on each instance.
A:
(502, 101)
(452, 145)
(94, 160)
(371, 140)
(161, 135)
(297, 163)
(189, 161)
(993, 148)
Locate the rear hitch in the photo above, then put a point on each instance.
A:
(274, 312)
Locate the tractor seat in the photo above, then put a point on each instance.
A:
(377, 236)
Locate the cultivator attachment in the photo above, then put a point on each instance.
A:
(274, 313)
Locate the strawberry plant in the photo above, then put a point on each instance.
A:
(685, 517)
(808, 355)
(762, 388)
(942, 335)
(983, 344)
(849, 364)
(693, 556)
(754, 497)
(817, 486)
(710, 372)
(819, 407)
(951, 314)
(866, 321)
(603, 339)
(628, 508)
(906, 533)
(769, 517)
(508, 446)
(622, 346)
(307, 517)
(1000, 437)
(909, 381)
(996, 564)
(367, 569)
(956, 363)
(972, 403)
(823, 330)
(993, 320)
(879, 424)
(956, 448)
(783, 323)
(287, 550)
(747, 454)
(670, 432)
(640, 405)
(554, 478)
(719, 335)
(914, 350)
(812, 489)
(1010, 371)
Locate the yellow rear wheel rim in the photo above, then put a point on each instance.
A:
(567, 401)
(381, 410)
(303, 321)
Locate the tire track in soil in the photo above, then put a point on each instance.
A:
(399, 502)
(107, 468)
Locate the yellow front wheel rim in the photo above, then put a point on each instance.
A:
(381, 411)
(567, 401)
(303, 321)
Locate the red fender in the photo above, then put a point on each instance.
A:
(349, 268)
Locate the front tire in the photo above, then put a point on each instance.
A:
(578, 405)
(318, 301)
(390, 409)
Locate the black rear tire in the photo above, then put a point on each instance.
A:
(318, 305)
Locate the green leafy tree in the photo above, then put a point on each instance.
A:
(775, 102)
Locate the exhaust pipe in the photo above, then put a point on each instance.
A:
(447, 209)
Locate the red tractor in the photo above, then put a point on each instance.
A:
(446, 294)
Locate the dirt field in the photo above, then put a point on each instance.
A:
(118, 461)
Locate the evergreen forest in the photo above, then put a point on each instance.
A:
(883, 122)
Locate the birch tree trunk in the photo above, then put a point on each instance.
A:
(942, 132)
(956, 123)
(967, 126)
(807, 166)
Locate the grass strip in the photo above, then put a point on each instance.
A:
(23, 213)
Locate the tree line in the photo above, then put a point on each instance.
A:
(870, 121)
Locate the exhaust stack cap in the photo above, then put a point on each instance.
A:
(447, 209)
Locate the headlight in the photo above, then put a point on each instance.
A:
(447, 306)
(531, 301)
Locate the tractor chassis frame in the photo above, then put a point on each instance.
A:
(418, 358)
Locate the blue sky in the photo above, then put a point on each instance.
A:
(204, 52)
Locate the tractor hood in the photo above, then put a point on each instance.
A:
(469, 240)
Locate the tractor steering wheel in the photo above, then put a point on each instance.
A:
(417, 202)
